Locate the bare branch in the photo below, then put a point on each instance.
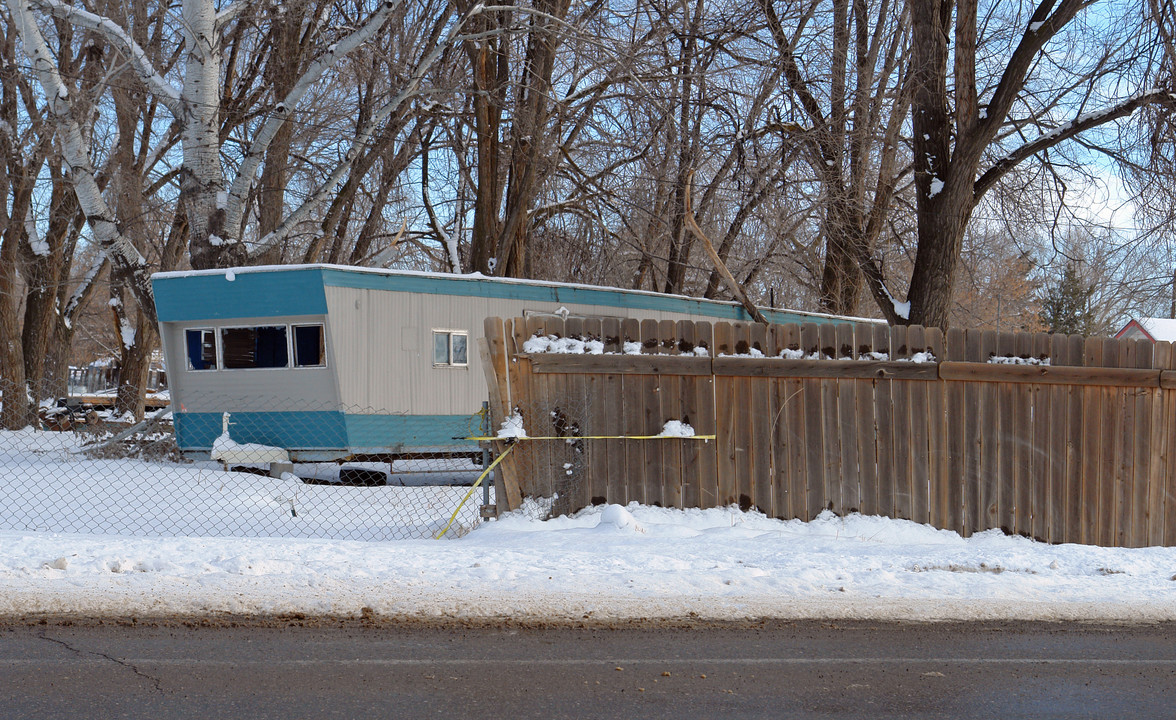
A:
(117, 36)
(1067, 131)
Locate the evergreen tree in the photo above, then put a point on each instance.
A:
(1066, 308)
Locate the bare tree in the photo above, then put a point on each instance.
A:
(970, 129)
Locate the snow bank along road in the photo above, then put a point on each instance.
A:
(602, 566)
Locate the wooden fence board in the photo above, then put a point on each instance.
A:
(830, 427)
(1022, 435)
(763, 416)
(1057, 451)
(1145, 449)
(986, 436)
(793, 429)
(937, 433)
(847, 426)
(1048, 375)
(866, 427)
(743, 422)
(707, 424)
(919, 456)
(1168, 493)
(689, 452)
(1109, 470)
(901, 420)
(634, 421)
(1091, 457)
(955, 409)
(975, 510)
(651, 422)
(612, 398)
(725, 409)
(671, 398)
(884, 442)
(810, 399)
(1161, 445)
(1076, 456)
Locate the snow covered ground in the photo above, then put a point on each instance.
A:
(604, 564)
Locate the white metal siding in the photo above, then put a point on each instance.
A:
(383, 346)
(261, 389)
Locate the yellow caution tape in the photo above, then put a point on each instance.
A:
(473, 487)
(597, 437)
(511, 446)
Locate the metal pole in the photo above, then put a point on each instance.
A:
(485, 450)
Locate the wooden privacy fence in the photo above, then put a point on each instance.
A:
(1061, 438)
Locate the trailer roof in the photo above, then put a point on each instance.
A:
(277, 290)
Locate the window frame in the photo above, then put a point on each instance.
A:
(450, 333)
(216, 356)
(221, 346)
(294, 345)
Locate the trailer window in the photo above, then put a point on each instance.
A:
(201, 344)
(449, 348)
(309, 346)
(255, 347)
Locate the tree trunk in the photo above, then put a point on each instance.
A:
(201, 178)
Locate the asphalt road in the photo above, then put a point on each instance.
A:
(777, 670)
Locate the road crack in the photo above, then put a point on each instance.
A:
(155, 682)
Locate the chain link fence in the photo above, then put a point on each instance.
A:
(281, 468)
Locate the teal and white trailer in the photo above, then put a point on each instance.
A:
(332, 362)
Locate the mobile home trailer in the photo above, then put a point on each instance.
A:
(332, 362)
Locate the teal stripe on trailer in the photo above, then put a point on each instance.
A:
(326, 430)
(288, 430)
(249, 294)
(392, 431)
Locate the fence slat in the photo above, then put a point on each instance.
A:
(937, 480)
(954, 418)
(814, 428)
(760, 452)
(1022, 434)
(651, 422)
(1160, 445)
(901, 420)
(919, 458)
(688, 452)
(884, 417)
(975, 499)
(831, 471)
(671, 402)
(1059, 445)
(704, 396)
(1144, 452)
(633, 393)
(847, 426)
(867, 431)
(1091, 436)
(725, 388)
(790, 428)
(1168, 493)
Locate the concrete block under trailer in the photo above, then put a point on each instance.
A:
(337, 363)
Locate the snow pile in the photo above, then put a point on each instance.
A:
(676, 428)
(566, 345)
(231, 452)
(512, 427)
(919, 357)
(1015, 360)
(618, 517)
(603, 563)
